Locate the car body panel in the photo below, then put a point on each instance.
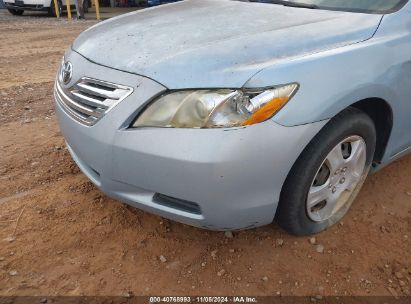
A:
(133, 164)
(178, 46)
(398, 78)
(234, 175)
(377, 68)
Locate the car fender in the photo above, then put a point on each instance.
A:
(331, 81)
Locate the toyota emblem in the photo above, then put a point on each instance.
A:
(66, 72)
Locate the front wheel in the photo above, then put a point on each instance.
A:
(328, 175)
(16, 12)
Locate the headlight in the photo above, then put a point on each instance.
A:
(215, 108)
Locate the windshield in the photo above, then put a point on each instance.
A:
(365, 6)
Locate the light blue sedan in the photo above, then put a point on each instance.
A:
(229, 115)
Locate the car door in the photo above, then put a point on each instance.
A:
(405, 80)
(395, 30)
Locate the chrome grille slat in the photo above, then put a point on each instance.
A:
(77, 106)
(100, 83)
(88, 100)
(116, 94)
(71, 111)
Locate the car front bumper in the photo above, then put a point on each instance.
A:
(234, 176)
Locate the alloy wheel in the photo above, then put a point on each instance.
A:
(336, 179)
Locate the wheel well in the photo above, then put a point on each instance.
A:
(381, 113)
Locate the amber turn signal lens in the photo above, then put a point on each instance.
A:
(266, 111)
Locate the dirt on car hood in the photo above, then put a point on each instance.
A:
(217, 43)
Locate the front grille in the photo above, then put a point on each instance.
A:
(89, 99)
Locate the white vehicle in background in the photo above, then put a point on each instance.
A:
(17, 7)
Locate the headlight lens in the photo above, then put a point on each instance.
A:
(215, 108)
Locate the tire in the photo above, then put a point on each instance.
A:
(351, 131)
(52, 9)
(15, 12)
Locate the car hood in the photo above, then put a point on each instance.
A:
(217, 43)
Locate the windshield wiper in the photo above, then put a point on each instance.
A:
(290, 3)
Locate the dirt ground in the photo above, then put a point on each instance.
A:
(59, 235)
